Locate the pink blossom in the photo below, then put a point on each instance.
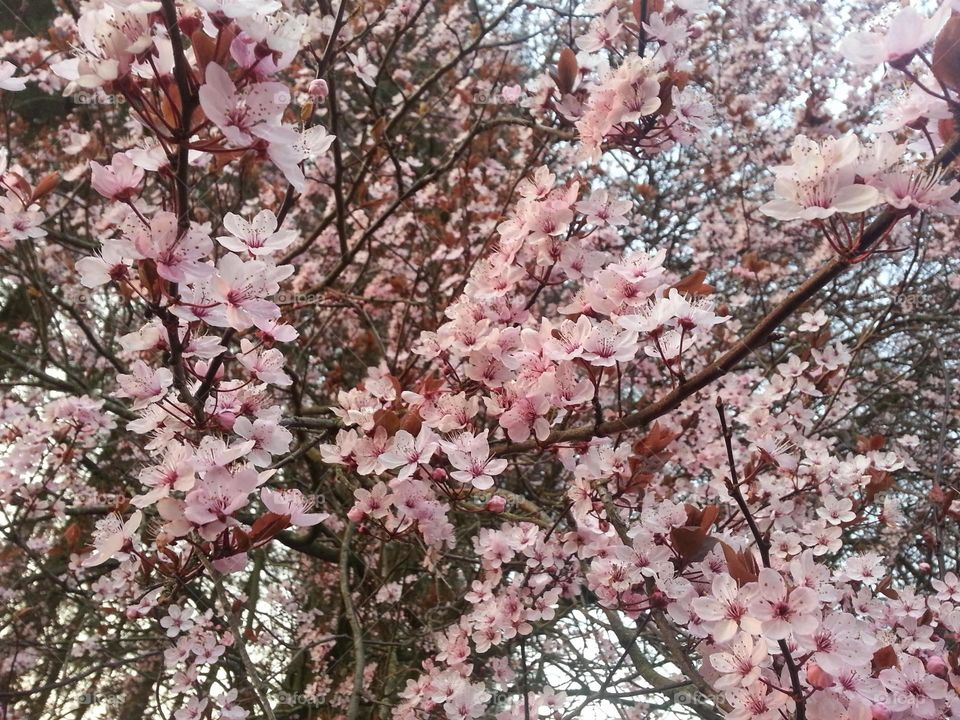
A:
(7, 80)
(908, 31)
(292, 504)
(241, 115)
(820, 182)
(470, 456)
(270, 438)
(112, 534)
(912, 689)
(408, 452)
(145, 385)
(267, 367)
(118, 180)
(782, 612)
(243, 288)
(113, 263)
(261, 236)
(741, 662)
(726, 608)
(177, 257)
(210, 505)
(178, 620)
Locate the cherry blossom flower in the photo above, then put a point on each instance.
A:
(145, 385)
(908, 31)
(912, 689)
(193, 709)
(820, 182)
(177, 257)
(7, 80)
(258, 237)
(836, 645)
(408, 452)
(726, 609)
(921, 191)
(270, 438)
(602, 32)
(741, 663)
(364, 69)
(240, 8)
(110, 537)
(756, 703)
(289, 148)
(178, 620)
(470, 455)
(18, 222)
(243, 286)
(625, 95)
(267, 367)
(811, 322)
(948, 588)
(212, 502)
(608, 345)
(111, 265)
(174, 472)
(837, 511)
(780, 611)
(242, 115)
(118, 180)
(371, 503)
(292, 504)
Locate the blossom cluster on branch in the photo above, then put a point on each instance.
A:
(360, 364)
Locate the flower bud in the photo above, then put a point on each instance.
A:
(496, 504)
(226, 419)
(438, 474)
(189, 24)
(924, 567)
(936, 666)
(318, 89)
(818, 677)
(879, 711)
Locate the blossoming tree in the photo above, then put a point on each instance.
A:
(479, 360)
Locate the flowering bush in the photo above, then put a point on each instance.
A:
(359, 362)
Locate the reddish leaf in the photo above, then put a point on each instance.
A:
(655, 441)
(741, 565)
(866, 443)
(885, 657)
(388, 420)
(267, 526)
(46, 185)
(567, 71)
(693, 284)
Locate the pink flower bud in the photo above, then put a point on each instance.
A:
(438, 474)
(225, 419)
(936, 666)
(496, 504)
(189, 24)
(355, 515)
(318, 89)
(924, 567)
(818, 677)
(879, 711)
(132, 613)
